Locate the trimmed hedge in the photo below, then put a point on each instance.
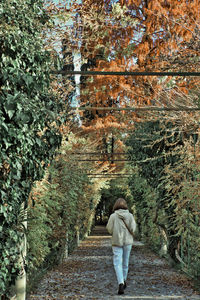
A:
(65, 202)
(27, 110)
(165, 188)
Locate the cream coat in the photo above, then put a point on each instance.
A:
(115, 226)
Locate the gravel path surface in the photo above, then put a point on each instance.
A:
(88, 274)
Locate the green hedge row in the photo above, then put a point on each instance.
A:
(64, 207)
(27, 110)
(165, 188)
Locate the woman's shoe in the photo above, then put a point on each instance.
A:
(125, 285)
(121, 289)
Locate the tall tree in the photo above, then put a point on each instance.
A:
(131, 35)
(137, 36)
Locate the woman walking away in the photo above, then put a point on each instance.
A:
(122, 226)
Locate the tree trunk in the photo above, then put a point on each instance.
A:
(164, 246)
(20, 283)
(77, 237)
(172, 248)
(66, 254)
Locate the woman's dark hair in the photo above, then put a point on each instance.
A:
(120, 204)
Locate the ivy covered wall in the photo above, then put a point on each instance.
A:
(27, 109)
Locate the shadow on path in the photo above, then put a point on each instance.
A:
(88, 274)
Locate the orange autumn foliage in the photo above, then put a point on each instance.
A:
(145, 36)
(132, 35)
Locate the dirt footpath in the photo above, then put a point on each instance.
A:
(88, 274)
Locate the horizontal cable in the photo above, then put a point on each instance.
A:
(150, 108)
(110, 160)
(98, 153)
(111, 177)
(125, 73)
(109, 174)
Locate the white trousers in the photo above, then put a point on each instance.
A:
(121, 261)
